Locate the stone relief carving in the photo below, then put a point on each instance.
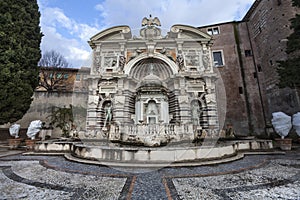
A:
(205, 59)
(97, 62)
(122, 62)
(93, 100)
(150, 31)
(192, 60)
(151, 21)
(110, 62)
(119, 100)
(183, 99)
(180, 62)
(210, 98)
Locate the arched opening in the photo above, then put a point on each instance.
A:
(159, 68)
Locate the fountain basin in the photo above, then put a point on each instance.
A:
(109, 153)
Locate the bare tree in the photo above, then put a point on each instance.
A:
(52, 73)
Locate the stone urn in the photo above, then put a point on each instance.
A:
(30, 143)
(14, 143)
(14, 132)
(284, 144)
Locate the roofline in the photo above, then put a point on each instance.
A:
(245, 18)
(219, 24)
(251, 10)
(59, 68)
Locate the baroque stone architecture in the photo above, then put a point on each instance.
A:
(171, 79)
(151, 85)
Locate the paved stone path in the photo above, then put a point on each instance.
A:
(54, 177)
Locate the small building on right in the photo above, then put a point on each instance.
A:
(246, 53)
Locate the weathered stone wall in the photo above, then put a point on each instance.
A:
(251, 79)
(42, 105)
(244, 109)
(269, 27)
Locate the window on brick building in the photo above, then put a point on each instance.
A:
(241, 90)
(259, 69)
(254, 74)
(218, 58)
(248, 53)
(213, 31)
(278, 2)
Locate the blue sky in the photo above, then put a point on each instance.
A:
(67, 25)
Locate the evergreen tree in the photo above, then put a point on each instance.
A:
(289, 70)
(20, 38)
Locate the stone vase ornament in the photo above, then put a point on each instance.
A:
(282, 124)
(14, 132)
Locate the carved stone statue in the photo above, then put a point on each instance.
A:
(108, 114)
(195, 113)
(122, 61)
(151, 30)
(180, 62)
(150, 21)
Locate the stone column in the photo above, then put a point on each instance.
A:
(93, 101)
(164, 115)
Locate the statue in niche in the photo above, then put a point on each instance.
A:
(196, 113)
(122, 61)
(152, 108)
(152, 112)
(108, 114)
(180, 62)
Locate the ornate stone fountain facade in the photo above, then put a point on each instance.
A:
(151, 88)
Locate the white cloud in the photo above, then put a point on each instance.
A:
(192, 12)
(66, 36)
(69, 37)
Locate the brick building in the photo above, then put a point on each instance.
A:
(245, 53)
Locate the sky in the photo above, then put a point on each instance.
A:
(67, 25)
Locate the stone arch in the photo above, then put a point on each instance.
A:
(173, 68)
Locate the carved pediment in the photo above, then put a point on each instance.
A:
(114, 33)
(188, 32)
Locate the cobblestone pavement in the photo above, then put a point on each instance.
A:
(54, 177)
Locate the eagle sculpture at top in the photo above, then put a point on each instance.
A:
(150, 21)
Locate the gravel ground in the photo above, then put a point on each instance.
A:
(276, 180)
(54, 177)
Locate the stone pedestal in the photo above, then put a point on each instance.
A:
(14, 143)
(284, 144)
(30, 143)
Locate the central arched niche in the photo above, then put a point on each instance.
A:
(152, 101)
(148, 66)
